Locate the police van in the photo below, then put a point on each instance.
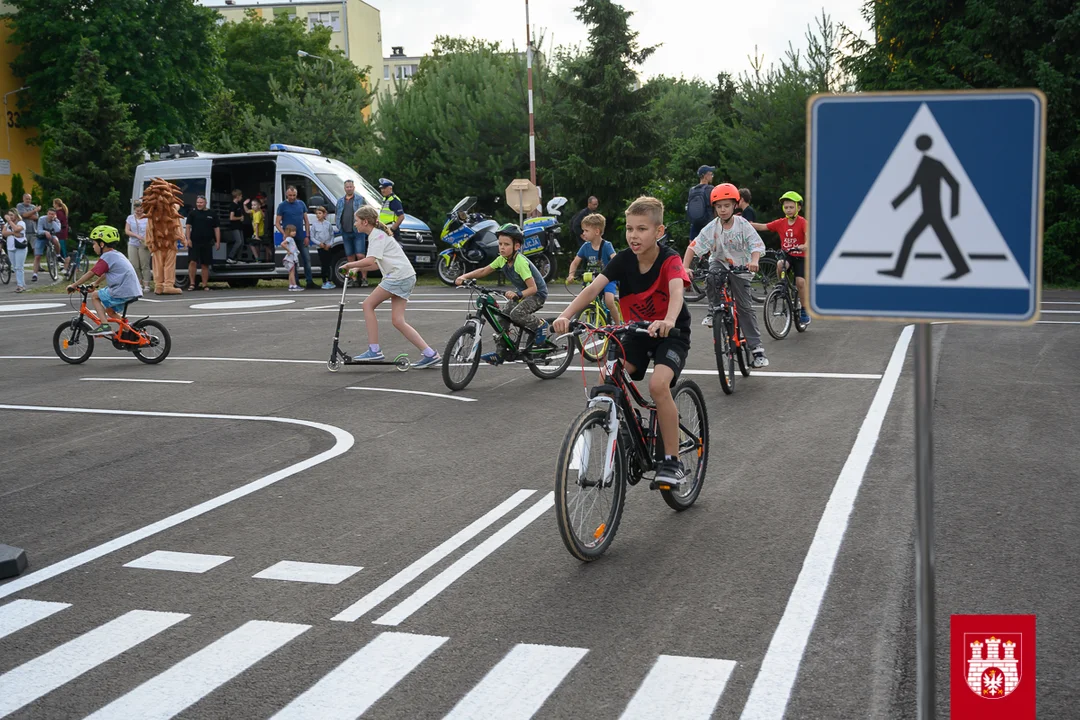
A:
(318, 180)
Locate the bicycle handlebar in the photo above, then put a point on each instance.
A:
(473, 285)
(639, 327)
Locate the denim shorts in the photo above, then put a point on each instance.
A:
(40, 245)
(355, 243)
(109, 301)
(402, 288)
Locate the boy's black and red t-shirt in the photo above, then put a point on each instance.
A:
(644, 296)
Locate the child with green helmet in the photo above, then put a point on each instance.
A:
(123, 284)
(792, 231)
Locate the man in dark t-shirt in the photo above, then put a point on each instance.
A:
(744, 208)
(202, 236)
(236, 225)
(575, 223)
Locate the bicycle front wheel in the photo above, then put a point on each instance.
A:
(459, 361)
(593, 347)
(777, 314)
(50, 260)
(723, 328)
(693, 444)
(5, 269)
(588, 507)
(72, 342)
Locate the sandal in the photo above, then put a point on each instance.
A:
(191, 288)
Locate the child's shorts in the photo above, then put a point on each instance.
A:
(109, 301)
(613, 289)
(289, 263)
(669, 351)
(402, 288)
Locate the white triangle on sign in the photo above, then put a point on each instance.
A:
(875, 236)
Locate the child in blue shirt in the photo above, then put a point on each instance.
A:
(596, 252)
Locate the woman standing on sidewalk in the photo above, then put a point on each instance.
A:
(138, 253)
(17, 246)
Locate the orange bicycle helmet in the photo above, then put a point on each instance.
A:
(724, 191)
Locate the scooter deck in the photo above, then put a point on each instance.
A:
(401, 362)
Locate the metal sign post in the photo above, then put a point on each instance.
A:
(924, 522)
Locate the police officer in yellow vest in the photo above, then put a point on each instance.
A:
(392, 213)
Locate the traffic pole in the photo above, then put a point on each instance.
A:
(528, 62)
(924, 524)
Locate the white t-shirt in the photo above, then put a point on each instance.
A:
(737, 242)
(392, 261)
(138, 227)
(21, 235)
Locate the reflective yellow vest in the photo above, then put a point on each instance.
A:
(386, 215)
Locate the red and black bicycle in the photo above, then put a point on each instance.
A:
(729, 343)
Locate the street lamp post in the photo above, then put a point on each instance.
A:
(6, 130)
(303, 54)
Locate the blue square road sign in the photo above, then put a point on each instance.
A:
(926, 206)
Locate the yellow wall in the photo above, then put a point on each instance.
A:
(25, 159)
(362, 21)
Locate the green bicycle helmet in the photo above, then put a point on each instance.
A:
(511, 230)
(105, 234)
(791, 195)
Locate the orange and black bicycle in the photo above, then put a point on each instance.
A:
(729, 343)
(147, 339)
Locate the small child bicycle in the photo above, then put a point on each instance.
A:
(146, 339)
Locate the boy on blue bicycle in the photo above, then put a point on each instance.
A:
(651, 281)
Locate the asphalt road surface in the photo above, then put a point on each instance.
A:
(240, 533)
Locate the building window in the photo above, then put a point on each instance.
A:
(386, 72)
(331, 20)
(285, 11)
(405, 72)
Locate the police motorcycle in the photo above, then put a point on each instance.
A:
(472, 241)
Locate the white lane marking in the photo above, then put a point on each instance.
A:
(238, 304)
(199, 674)
(1059, 322)
(178, 561)
(296, 571)
(772, 687)
(413, 571)
(680, 688)
(45, 673)
(459, 398)
(517, 687)
(21, 613)
(429, 590)
(25, 307)
(1059, 312)
(1060, 302)
(342, 442)
(138, 380)
(347, 691)
(779, 373)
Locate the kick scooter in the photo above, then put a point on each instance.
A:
(339, 357)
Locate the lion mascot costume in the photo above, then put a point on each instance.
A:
(161, 202)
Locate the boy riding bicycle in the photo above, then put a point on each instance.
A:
(651, 281)
(730, 238)
(597, 253)
(529, 293)
(118, 272)
(792, 231)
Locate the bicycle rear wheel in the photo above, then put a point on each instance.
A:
(50, 259)
(693, 444)
(778, 314)
(725, 357)
(160, 344)
(796, 315)
(593, 348)
(588, 508)
(697, 285)
(552, 359)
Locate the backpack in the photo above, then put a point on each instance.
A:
(698, 208)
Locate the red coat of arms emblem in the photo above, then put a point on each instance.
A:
(994, 663)
(994, 656)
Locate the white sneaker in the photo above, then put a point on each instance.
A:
(707, 321)
(760, 360)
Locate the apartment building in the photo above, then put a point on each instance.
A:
(398, 70)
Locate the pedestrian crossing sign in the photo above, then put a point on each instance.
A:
(927, 205)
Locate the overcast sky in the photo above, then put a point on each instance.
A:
(698, 37)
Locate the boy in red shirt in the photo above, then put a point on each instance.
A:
(792, 231)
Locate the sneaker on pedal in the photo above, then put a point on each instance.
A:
(804, 318)
(426, 361)
(491, 358)
(541, 335)
(370, 355)
(760, 360)
(100, 330)
(707, 321)
(671, 474)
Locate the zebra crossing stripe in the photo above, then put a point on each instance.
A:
(18, 614)
(680, 688)
(45, 673)
(197, 675)
(518, 686)
(348, 690)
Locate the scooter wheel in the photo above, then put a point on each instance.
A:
(402, 362)
(333, 365)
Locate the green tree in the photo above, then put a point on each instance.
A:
(460, 127)
(679, 107)
(160, 56)
(92, 148)
(255, 50)
(608, 141)
(18, 188)
(992, 44)
(229, 126)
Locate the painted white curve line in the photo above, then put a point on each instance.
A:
(26, 307)
(343, 440)
(516, 688)
(680, 688)
(22, 613)
(61, 665)
(239, 304)
(431, 589)
(772, 687)
(196, 676)
(377, 596)
(459, 398)
(137, 380)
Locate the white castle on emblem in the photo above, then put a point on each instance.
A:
(1006, 665)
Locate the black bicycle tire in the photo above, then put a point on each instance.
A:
(767, 272)
(674, 501)
(742, 354)
(571, 345)
(720, 349)
(588, 416)
(776, 295)
(800, 326)
(451, 384)
(89, 342)
(51, 262)
(5, 270)
(164, 333)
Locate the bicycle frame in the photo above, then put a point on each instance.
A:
(489, 311)
(727, 302)
(140, 340)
